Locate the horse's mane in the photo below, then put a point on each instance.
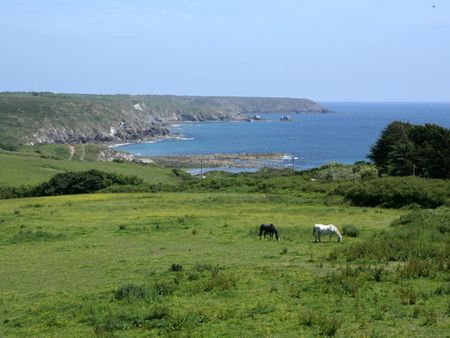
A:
(334, 227)
(337, 230)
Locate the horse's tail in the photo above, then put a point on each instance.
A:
(261, 228)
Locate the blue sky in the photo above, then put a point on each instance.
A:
(326, 50)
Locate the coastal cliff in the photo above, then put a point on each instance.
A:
(74, 118)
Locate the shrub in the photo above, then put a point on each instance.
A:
(130, 291)
(9, 144)
(82, 182)
(155, 315)
(164, 287)
(430, 317)
(327, 325)
(396, 192)
(407, 295)
(419, 239)
(416, 268)
(350, 230)
(176, 267)
(341, 172)
(7, 192)
(219, 281)
(183, 175)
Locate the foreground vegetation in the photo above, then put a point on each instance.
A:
(191, 264)
(155, 252)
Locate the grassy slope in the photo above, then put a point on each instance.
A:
(30, 168)
(22, 114)
(64, 286)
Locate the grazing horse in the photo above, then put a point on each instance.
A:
(268, 229)
(328, 229)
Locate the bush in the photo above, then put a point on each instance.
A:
(219, 281)
(326, 325)
(9, 144)
(130, 291)
(154, 316)
(407, 295)
(341, 172)
(82, 182)
(176, 267)
(396, 192)
(350, 230)
(7, 192)
(416, 268)
(419, 238)
(164, 287)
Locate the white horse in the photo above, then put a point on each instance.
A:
(327, 229)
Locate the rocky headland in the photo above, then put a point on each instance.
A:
(46, 118)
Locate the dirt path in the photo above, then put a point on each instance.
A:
(83, 153)
(72, 151)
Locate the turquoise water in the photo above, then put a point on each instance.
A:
(343, 136)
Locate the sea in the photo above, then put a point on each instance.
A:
(344, 135)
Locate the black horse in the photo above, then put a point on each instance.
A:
(268, 229)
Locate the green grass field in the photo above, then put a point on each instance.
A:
(29, 168)
(191, 265)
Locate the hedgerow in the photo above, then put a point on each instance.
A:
(396, 192)
(71, 183)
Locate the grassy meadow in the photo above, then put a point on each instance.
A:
(192, 265)
(29, 167)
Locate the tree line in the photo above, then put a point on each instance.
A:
(404, 149)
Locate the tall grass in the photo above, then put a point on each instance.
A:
(420, 238)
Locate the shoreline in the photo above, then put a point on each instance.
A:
(177, 137)
(240, 160)
(196, 161)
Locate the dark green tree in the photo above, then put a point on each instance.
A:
(404, 149)
(82, 182)
(432, 150)
(381, 150)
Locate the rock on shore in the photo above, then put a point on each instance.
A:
(243, 160)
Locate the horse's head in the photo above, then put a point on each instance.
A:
(272, 228)
(262, 228)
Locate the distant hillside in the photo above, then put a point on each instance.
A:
(74, 118)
